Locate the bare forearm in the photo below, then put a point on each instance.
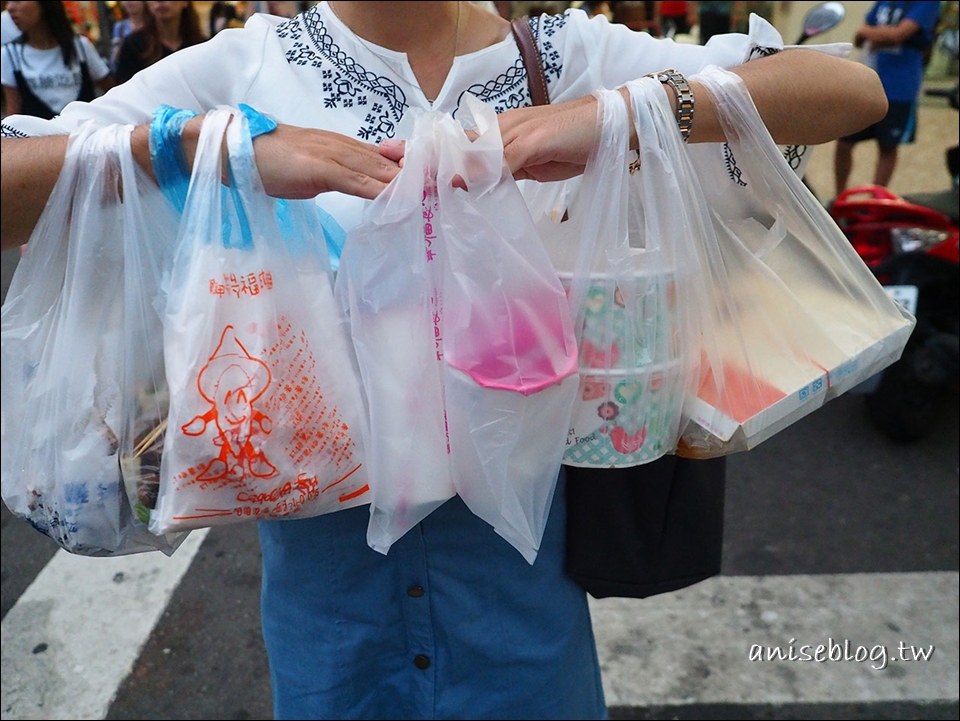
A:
(293, 163)
(30, 167)
(805, 97)
(797, 106)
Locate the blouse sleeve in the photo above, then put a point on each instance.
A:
(95, 64)
(215, 72)
(589, 53)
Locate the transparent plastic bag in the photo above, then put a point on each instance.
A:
(794, 316)
(758, 305)
(265, 404)
(620, 268)
(463, 339)
(82, 370)
(510, 368)
(389, 286)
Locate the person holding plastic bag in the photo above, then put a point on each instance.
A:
(452, 621)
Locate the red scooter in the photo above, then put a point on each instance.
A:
(911, 244)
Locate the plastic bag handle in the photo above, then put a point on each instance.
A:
(206, 172)
(610, 151)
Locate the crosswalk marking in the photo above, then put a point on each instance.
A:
(74, 634)
(693, 646)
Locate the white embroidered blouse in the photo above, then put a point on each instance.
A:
(312, 71)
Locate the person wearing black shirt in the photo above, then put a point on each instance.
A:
(169, 27)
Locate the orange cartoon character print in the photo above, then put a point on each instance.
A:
(232, 382)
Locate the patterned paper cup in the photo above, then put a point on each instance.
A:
(629, 325)
(625, 418)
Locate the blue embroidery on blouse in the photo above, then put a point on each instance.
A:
(510, 89)
(733, 169)
(760, 51)
(549, 55)
(8, 131)
(794, 155)
(344, 82)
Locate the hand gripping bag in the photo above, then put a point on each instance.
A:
(791, 316)
(463, 339)
(264, 402)
(82, 369)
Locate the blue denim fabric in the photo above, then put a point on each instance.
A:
(504, 639)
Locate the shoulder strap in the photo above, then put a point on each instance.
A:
(15, 60)
(80, 50)
(531, 60)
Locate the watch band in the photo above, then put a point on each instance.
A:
(681, 89)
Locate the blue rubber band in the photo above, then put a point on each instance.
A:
(258, 122)
(166, 149)
(166, 153)
(173, 174)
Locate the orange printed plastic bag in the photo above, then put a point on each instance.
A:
(264, 400)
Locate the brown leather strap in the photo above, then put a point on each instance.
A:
(531, 60)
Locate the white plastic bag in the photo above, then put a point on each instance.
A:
(795, 317)
(617, 257)
(264, 401)
(82, 370)
(463, 340)
(791, 315)
(510, 368)
(761, 303)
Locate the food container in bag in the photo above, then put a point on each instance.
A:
(625, 417)
(627, 322)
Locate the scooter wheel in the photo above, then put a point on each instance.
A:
(902, 407)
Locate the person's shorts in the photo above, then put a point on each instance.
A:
(897, 126)
(678, 23)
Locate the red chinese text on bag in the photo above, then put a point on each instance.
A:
(265, 404)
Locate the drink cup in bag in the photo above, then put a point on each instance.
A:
(463, 339)
(615, 253)
(510, 351)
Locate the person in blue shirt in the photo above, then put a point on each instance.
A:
(893, 39)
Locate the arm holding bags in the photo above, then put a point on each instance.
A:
(261, 417)
(770, 315)
(82, 374)
(704, 325)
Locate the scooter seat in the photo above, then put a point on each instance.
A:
(944, 201)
